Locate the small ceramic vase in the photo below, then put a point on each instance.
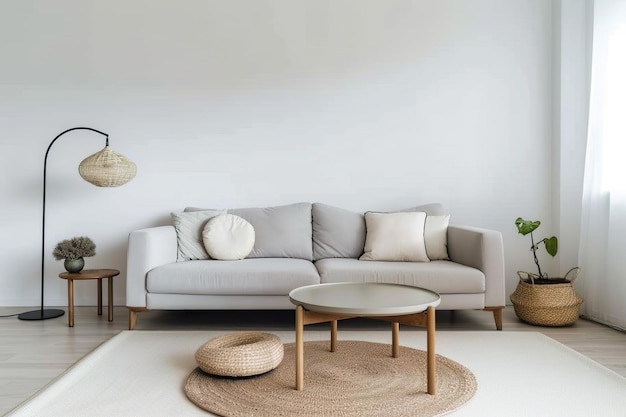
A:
(74, 266)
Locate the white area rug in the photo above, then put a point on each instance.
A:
(142, 373)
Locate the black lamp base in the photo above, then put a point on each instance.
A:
(41, 314)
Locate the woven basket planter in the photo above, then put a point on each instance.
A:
(547, 304)
(240, 354)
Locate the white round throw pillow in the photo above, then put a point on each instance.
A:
(228, 237)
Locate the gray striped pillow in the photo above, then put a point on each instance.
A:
(189, 227)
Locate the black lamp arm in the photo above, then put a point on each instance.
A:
(69, 130)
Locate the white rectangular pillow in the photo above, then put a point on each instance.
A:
(395, 237)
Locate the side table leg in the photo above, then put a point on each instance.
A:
(110, 306)
(395, 338)
(430, 350)
(70, 302)
(99, 296)
(299, 348)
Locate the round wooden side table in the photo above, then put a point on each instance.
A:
(98, 274)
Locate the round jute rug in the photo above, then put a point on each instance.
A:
(359, 379)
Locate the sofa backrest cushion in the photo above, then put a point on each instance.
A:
(431, 209)
(281, 231)
(340, 233)
(337, 233)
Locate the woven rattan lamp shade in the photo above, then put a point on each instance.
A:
(107, 168)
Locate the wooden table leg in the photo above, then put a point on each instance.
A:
(70, 302)
(110, 298)
(430, 350)
(333, 335)
(395, 338)
(299, 348)
(99, 296)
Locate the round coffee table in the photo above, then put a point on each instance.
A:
(396, 303)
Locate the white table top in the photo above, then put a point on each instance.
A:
(364, 299)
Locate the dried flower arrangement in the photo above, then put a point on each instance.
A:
(74, 248)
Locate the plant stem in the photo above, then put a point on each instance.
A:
(532, 241)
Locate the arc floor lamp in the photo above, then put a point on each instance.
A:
(106, 168)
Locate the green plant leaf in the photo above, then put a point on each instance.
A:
(526, 226)
(552, 245)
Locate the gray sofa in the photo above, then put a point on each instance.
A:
(303, 244)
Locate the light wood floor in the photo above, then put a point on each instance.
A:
(32, 353)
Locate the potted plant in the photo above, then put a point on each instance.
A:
(539, 299)
(73, 251)
(551, 244)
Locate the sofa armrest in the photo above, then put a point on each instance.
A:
(147, 249)
(481, 249)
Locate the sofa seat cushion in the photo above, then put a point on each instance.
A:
(258, 276)
(444, 277)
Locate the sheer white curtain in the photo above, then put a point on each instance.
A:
(602, 253)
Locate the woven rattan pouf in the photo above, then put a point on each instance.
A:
(240, 354)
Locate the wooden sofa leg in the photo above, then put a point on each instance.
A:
(132, 316)
(497, 315)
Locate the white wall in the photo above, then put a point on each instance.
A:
(361, 104)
